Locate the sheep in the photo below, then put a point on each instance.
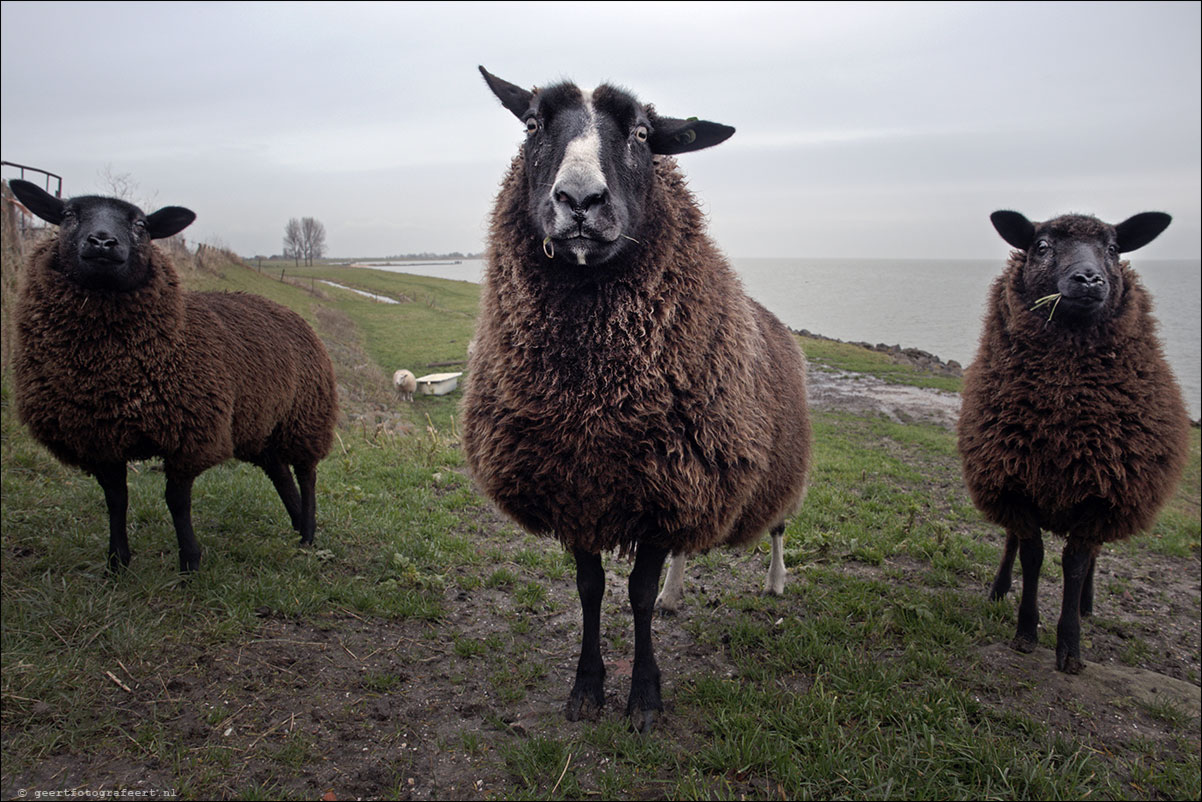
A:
(116, 363)
(405, 383)
(1071, 419)
(624, 393)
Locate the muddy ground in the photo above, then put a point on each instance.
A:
(378, 709)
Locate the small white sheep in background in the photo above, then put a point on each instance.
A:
(405, 383)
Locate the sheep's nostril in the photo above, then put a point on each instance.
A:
(102, 241)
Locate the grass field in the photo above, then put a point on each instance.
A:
(424, 648)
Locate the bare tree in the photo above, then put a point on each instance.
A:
(294, 240)
(313, 239)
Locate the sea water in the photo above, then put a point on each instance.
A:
(936, 305)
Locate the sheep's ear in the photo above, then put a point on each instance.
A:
(1136, 232)
(673, 136)
(38, 200)
(512, 97)
(168, 221)
(1014, 228)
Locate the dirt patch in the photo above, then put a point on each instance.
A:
(861, 394)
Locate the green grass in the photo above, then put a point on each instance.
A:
(863, 681)
(831, 355)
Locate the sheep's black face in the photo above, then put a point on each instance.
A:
(1073, 260)
(103, 243)
(589, 165)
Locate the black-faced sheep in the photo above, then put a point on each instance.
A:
(1072, 420)
(624, 393)
(405, 383)
(116, 363)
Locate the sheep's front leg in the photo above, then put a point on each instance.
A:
(179, 501)
(588, 692)
(644, 702)
(116, 497)
(1001, 582)
(670, 597)
(1030, 554)
(1077, 561)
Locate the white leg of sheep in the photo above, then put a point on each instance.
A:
(672, 595)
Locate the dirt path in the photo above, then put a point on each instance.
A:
(859, 393)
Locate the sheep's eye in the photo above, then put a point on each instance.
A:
(1043, 246)
(640, 133)
(532, 125)
(140, 223)
(1112, 249)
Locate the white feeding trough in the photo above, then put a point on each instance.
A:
(438, 383)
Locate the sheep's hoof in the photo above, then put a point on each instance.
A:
(1068, 663)
(584, 705)
(643, 721)
(189, 563)
(1023, 644)
(118, 562)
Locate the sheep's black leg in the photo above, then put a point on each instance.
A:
(588, 693)
(116, 497)
(1001, 582)
(307, 475)
(179, 501)
(1076, 562)
(644, 700)
(1030, 554)
(1087, 589)
(276, 469)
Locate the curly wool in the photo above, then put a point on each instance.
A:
(650, 401)
(196, 378)
(1071, 432)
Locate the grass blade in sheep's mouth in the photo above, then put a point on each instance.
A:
(1053, 299)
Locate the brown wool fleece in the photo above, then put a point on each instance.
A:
(1082, 433)
(656, 404)
(195, 378)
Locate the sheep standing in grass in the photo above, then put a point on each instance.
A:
(405, 383)
(1072, 420)
(624, 393)
(116, 363)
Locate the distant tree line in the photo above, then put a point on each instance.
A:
(304, 239)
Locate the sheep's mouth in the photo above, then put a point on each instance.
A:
(582, 249)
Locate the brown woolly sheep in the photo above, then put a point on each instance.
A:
(1071, 420)
(624, 393)
(116, 363)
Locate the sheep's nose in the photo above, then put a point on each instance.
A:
(1088, 276)
(580, 195)
(102, 239)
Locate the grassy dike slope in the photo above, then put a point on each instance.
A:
(425, 647)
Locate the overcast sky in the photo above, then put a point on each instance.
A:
(863, 130)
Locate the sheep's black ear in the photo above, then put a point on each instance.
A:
(38, 200)
(681, 136)
(514, 98)
(1136, 232)
(168, 221)
(1014, 228)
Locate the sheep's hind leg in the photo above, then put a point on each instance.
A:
(1001, 582)
(588, 692)
(307, 477)
(1077, 561)
(116, 497)
(179, 501)
(1030, 554)
(277, 470)
(644, 702)
(669, 599)
(1087, 589)
(774, 583)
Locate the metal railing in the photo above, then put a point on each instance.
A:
(58, 191)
